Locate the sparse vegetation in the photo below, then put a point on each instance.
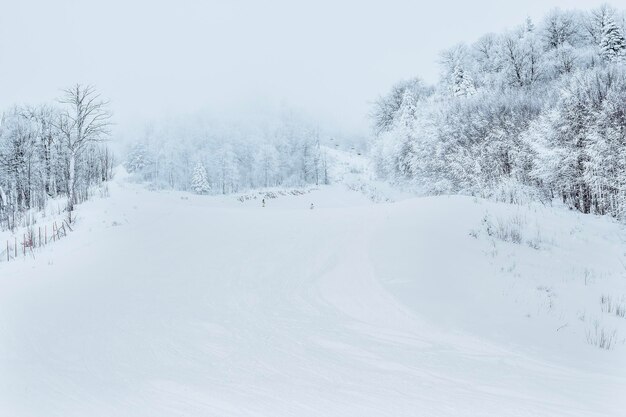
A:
(273, 194)
(601, 337)
(505, 229)
(512, 229)
(611, 306)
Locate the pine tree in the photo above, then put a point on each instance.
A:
(612, 44)
(137, 158)
(462, 84)
(199, 182)
(406, 112)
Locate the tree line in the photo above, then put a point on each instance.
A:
(535, 112)
(214, 157)
(53, 151)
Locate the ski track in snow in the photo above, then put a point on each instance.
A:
(206, 306)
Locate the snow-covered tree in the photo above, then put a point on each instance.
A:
(487, 54)
(287, 151)
(575, 141)
(456, 62)
(561, 28)
(404, 130)
(138, 158)
(595, 22)
(267, 165)
(84, 121)
(38, 145)
(386, 107)
(462, 83)
(563, 59)
(199, 181)
(612, 43)
(523, 59)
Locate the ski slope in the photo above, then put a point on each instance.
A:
(170, 304)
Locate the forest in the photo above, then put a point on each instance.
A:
(537, 112)
(52, 152)
(534, 113)
(209, 156)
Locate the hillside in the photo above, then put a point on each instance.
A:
(171, 304)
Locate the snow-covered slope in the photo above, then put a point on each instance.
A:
(170, 304)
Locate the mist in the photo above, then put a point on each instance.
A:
(165, 59)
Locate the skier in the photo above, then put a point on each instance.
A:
(263, 201)
(311, 206)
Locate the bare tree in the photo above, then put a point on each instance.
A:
(85, 120)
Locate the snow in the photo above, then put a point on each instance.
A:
(173, 304)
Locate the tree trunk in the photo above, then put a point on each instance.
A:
(71, 182)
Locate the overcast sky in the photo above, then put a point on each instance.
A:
(157, 57)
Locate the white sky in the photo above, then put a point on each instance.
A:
(157, 57)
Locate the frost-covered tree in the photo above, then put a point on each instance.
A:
(138, 158)
(561, 28)
(523, 59)
(546, 120)
(84, 121)
(563, 60)
(286, 151)
(456, 63)
(199, 181)
(462, 83)
(612, 43)
(37, 148)
(487, 54)
(578, 143)
(404, 130)
(386, 108)
(595, 22)
(267, 165)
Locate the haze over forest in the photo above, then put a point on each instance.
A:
(166, 59)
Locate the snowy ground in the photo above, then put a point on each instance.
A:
(170, 304)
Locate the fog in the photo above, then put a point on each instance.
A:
(156, 59)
